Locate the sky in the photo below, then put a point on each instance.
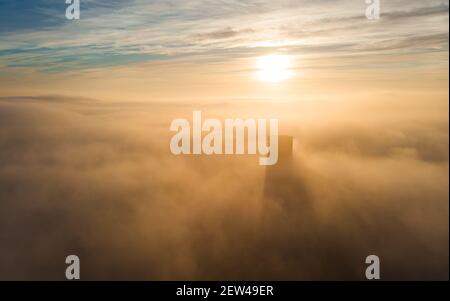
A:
(140, 50)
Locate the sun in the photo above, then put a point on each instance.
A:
(274, 68)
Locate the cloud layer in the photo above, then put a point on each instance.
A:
(96, 179)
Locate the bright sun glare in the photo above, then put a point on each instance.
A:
(274, 68)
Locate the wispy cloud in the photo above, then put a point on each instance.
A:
(123, 32)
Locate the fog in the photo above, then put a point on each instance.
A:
(97, 179)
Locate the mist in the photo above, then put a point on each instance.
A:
(97, 179)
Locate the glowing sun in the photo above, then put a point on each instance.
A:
(274, 68)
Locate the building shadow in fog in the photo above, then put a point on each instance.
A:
(282, 183)
(291, 228)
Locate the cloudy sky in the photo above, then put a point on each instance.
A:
(207, 47)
